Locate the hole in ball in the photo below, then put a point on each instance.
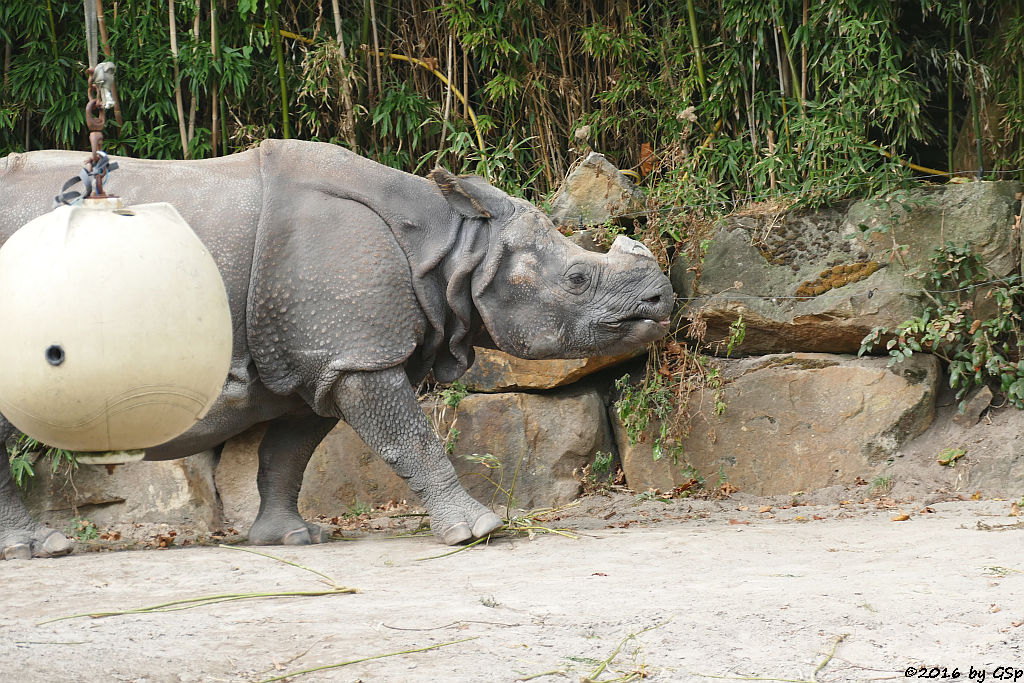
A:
(54, 354)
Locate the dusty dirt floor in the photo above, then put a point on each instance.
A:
(686, 590)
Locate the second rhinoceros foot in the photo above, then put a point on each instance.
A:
(281, 530)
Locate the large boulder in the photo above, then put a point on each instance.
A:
(821, 281)
(176, 492)
(594, 193)
(797, 422)
(540, 440)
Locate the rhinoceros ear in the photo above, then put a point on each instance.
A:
(472, 196)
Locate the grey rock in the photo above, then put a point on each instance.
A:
(174, 492)
(769, 269)
(977, 402)
(797, 422)
(593, 193)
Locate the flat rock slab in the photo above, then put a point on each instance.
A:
(797, 422)
(821, 281)
(496, 371)
(767, 598)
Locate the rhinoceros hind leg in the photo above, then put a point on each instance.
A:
(381, 406)
(284, 452)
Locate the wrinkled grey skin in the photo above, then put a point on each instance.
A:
(349, 282)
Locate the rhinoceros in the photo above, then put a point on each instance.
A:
(348, 283)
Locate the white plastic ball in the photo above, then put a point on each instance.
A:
(117, 331)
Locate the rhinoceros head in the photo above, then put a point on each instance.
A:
(541, 296)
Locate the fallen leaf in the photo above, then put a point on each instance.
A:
(599, 574)
(926, 510)
(1014, 510)
(765, 508)
(901, 518)
(994, 608)
(976, 496)
(743, 507)
(736, 521)
(818, 517)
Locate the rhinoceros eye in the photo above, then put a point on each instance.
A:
(577, 279)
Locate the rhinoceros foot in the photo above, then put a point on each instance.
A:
(40, 541)
(273, 532)
(464, 524)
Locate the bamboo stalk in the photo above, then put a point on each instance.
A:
(789, 55)
(782, 88)
(803, 58)
(376, 42)
(177, 79)
(448, 97)
(950, 133)
(696, 49)
(1020, 99)
(7, 64)
(214, 95)
(349, 125)
(975, 114)
(193, 96)
(53, 29)
(286, 131)
(364, 42)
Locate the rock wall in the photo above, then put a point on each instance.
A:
(802, 411)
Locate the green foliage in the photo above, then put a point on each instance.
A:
(599, 474)
(639, 403)
(737, 332)
(948, 456)
(744, 101)
(602, 464)
(358, 508)
(972, 320)
(82, 529)
(881, 484)
(24, 454)
(452, 395)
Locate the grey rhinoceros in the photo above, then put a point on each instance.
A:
(348, 282)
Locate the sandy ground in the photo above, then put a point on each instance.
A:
(725, 591)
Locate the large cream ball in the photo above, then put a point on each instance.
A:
(117, 331)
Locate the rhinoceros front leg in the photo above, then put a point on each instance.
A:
(381, 407)
(284, 453)
(21, 537)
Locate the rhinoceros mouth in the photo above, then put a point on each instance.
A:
(639, 320)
